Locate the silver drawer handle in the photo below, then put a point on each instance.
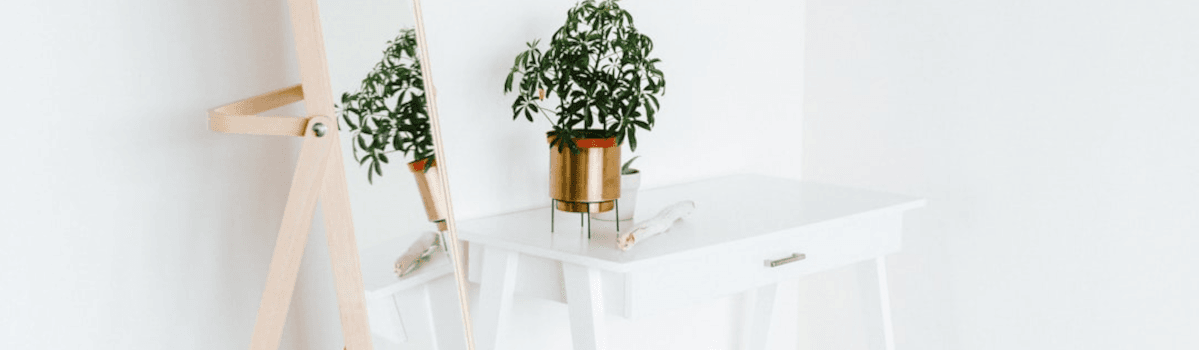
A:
(791, 259)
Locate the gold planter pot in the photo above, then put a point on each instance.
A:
(588, 181)
(433, 194)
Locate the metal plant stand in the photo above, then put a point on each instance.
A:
(586, 216)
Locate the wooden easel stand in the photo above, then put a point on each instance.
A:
(318, 175)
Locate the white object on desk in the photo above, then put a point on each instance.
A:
(418, 253)
(658, 224)
(740, 226)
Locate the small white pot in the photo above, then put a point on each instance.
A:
(628, 201)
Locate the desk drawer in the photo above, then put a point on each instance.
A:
(739, 266)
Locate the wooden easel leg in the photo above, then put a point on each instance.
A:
(318, 100)
(293, 235)
(343, 250)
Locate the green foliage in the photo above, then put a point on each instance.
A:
(626, 170)
(387, 114)
(598, 67)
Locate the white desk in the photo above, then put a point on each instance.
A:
(740, 223)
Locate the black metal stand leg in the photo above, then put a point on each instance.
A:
(617, 208)
(552, 203)
(589, 216)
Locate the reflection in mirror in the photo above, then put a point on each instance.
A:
(402, 215)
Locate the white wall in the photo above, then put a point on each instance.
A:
(1055, 141)
(733, 103)
(720, 104)
(1057, 144)
(126, 223)
(129, 225)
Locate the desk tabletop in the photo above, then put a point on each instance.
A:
(728, 209)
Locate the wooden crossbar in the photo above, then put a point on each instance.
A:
(242, 117)
(319, 178)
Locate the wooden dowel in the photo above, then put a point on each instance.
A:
(256, 125)
(241, 117)
(262, 103)
(306, 187)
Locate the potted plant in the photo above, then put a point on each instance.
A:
(387, 115)
(603, 84)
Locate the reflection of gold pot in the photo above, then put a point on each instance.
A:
(433, 194)
(588, 181)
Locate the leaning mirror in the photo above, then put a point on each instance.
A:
(395, 174)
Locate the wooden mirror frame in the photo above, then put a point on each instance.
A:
(320, 175)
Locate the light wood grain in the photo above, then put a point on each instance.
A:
(343, 250)
(258, 125)
(262, 103)
(293, 235)
(318, 101)
(310, 49)
(452, 244)
(319, 173)
(241, 116)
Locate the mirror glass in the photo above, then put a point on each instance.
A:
(399, 202)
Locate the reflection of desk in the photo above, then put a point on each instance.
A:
(419, 311)
(741, 224)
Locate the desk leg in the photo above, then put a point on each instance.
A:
(877, 312)
(434, 331)
(585, 304)
(760, 305)
(497, 283)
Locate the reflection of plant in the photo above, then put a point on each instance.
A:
(387, 114)
(599, 67)
(626, 169)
